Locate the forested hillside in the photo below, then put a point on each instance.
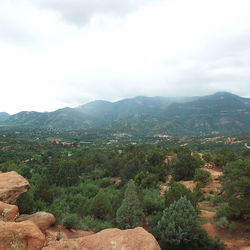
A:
(215, 114)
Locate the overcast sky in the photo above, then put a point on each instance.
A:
(57, 53)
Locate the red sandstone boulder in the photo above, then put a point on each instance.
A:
(69, 244)
(42, 219)
(109, 239)
(22, 236)
(8, 212)
(59, 237)
(12, 185)
(113, 238)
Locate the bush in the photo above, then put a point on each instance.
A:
(222, 223)
(177, 191)
(218, 199)
(216, 244)
(101, 206)
(232, 227)
(247, 228)
(184, 165)
(71, 221)
(26, 203)
(130, 213)
(236, 186)
(202, 176)
(152, 201)
(146, 179)
(223, 211)
(179, 223)
(90, 223)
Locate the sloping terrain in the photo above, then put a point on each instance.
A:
(219, 113)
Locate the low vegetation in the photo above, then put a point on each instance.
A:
(93, 187)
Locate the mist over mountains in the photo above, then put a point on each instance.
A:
(221, 112)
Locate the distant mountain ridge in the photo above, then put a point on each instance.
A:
(218, 113)
(4, 116)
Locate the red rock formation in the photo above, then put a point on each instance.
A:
(12, 185)
(109, 239)
(113, 238)
(59, 237)
(23, 236)
(8, 212)
(42, 219)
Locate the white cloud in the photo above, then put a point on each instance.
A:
(172, 47)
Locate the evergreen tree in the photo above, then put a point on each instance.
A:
(101, 206)
(177, 191)
(129, 215)
(43, 190)
(179, 223)
(184, 165)
(236, 184)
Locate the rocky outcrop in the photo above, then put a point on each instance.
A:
(8, 212)
(42, 219)
(22, 236)
(59, 237)
(12, 185)
(113, 238)
(34, 232)
(109, 239)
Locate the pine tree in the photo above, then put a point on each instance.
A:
(179, 223)
(101, 206)
(129, 215)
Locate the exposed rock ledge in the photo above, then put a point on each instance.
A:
(12, 185)
(109, 239)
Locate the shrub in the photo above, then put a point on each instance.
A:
(222, 223)
(71, 221)
(202, 176)
(152, 201)
(232, 227)
(101, 206)
(216, 244)
(179, 223)
(146, 179)
(247, 228)
(130, 213)
(223, 211)
(90, 223)
(184, 165)
(177, 191)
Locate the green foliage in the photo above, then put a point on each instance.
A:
(216, 244)
(202, 176)
(236, 183)
(222, 223)
(43, 190)
(152, 201)
(223, 211)
(232, 227)
(207, 157)
(179, 223)
(184, 165)
(101, 206)
(146, 179)
(176, 191)
(26, 203)
(247, 228)
(129, 215)
(71, 221)
(92, 224)
(224, 157)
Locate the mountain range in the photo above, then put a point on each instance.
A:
(221, 112)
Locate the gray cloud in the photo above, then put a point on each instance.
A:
(168, 48)
(80, 12)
